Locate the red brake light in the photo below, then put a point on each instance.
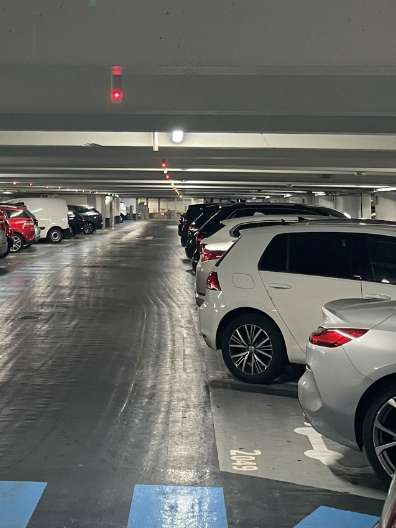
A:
(213, 282)
(210, 255)
(335, 337)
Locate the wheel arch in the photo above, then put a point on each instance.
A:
(364, 402)
(243, 310)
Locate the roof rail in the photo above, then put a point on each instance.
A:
(235, 231)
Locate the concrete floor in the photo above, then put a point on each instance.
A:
(105, 384)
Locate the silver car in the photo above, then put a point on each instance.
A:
(388, 517)
(348, 391)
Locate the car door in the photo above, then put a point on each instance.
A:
(303, 271)
(379, 277)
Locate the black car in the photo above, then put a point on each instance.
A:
(92, 218)
(76, 222)
(202, 215)
(214, 223)
(189, 216)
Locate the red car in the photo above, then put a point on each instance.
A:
(22, 224)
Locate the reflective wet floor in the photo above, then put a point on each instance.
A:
(107, 389)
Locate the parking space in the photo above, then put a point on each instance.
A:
(111, 400)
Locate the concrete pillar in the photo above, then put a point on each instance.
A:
(326, 201)
(356, 205)
(100, 204)
(116, 209)
(108, 212)
(385, 205)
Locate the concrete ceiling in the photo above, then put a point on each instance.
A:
(204, 165)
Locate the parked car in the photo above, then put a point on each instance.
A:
(238, 210)
(22, 224)
(388, 517)
(51, 214)
(76, 222)
(5, 233)
(214, 247)
(192, 223)
(348, 391)
(267, 291)
(192, 212)
(93, 220)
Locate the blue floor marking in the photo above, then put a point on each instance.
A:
(18, 500)
(177, 507)
(325, 517)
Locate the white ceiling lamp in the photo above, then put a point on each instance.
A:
(385, 189)
(177, 135)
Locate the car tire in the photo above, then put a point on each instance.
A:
(380, 412)
(18, 243)
(271, 353)
(55, 235)
(88, 228)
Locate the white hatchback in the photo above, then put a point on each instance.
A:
(267, 292)
(214, 247)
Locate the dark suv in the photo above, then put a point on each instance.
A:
(92, 218)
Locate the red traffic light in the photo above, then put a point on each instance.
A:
(117, 95)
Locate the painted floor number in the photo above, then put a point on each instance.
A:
(244, 460)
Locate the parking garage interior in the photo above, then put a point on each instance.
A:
(114, 411)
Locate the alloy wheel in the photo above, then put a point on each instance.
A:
(17, 244)
(384, 435)
(250, 349)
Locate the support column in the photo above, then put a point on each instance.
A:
(385, 205)
(108, 212)
(116, 209)
(356, 205)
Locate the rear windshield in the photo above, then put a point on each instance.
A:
(205, 215)
(193, 211)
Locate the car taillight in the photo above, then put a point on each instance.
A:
(210, 255)
(335, 337)
(213, 282)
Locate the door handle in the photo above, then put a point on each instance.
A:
(278, 286)
(379, 296)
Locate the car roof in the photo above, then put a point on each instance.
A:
(330, 225)
(13, 207)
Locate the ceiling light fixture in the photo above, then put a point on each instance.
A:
(385, 189)
(177, 135)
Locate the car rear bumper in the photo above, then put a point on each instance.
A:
(329, 392)
(209, 318)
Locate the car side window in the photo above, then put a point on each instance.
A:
(322, 254)
(274, 257)
(382, 251)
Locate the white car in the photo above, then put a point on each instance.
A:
(51, 214)
(267, 292)
(214, 247)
